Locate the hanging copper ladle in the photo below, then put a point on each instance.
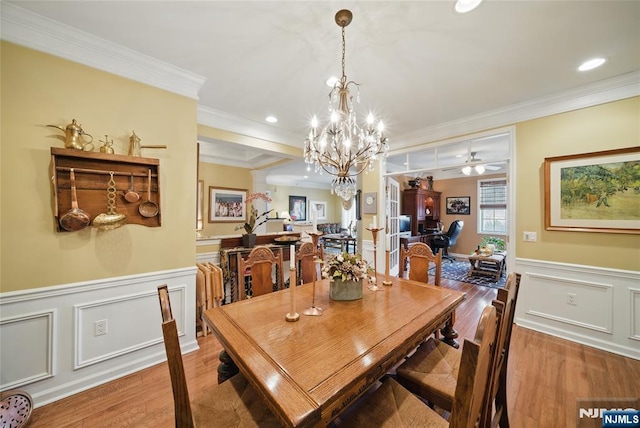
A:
(74, 219)
(148, 208)
(131, 195)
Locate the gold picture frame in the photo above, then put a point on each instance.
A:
(593, 192)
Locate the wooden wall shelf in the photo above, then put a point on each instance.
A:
(92, 176)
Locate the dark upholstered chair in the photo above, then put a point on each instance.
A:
(447, 240)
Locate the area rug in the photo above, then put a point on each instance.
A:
(459, 271)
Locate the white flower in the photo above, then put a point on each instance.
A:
(346, 267)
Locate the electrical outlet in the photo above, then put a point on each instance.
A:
(100, 327)
(572, 299)
(530, 236)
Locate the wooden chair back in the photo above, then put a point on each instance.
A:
(182, 405)
(305, 256)
(505, 304)
(474, 372)
(420, 258)
(261, 261)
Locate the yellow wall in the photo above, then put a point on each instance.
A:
(217, 176)
(40, 89)
(608, 126)
(280, 196)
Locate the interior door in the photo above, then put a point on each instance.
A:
(393, 224)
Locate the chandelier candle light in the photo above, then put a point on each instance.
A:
(342, 147)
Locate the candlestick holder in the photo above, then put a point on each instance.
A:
(292, 316)
(374, 232)
(387, 280)
(313, 310)
(315, 236)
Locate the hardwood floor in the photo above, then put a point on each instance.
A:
(546, 376)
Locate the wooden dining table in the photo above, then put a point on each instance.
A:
(309, 371)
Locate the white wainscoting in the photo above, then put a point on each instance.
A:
(605, 312)
(211, 257)
(48, 345)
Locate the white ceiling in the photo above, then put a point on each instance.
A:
(420, 64)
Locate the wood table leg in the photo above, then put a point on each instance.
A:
(449, 334)
(227, 368)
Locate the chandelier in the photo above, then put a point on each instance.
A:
(342, 147)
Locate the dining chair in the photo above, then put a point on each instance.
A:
(201, 297)
(420, 259)
(231, 403)
(305, 260)
(392, 405)
(261, 262)
(209, 291)
(433, 371)
(499, 381)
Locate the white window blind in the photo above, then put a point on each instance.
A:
(492, 205)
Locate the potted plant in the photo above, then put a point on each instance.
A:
(497, 243)
(346, 272)
(254, 220)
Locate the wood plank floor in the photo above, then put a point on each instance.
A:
(546, 376)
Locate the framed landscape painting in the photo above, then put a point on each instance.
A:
(227, 205)
(593, 192)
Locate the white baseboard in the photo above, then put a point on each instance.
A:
(48, 343)
(605, 312)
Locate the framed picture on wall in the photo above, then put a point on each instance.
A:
(593, 192)
(298, 208)
(459, 205)
(227, 205)
(320, 208)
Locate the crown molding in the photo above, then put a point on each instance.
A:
(29, 29)
(604, 91)
(218, 119)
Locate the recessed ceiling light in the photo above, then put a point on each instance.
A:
(271, 119)
(305, 176)
(591, 64)
(464, 6)
(331, 81)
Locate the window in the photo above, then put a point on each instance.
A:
(492, 206)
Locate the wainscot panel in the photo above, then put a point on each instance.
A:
(584, 304)
(61, 340)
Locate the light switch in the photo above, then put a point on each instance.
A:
(530, 236)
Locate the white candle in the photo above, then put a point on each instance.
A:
(292, 257)
(388, 243)
(375, 222)
(314, 216)
(292, 286)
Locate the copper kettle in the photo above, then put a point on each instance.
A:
(75, 137)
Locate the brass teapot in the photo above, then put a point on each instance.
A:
(75, 137)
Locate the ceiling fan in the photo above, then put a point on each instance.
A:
(479, 168)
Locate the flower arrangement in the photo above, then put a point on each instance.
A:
(252, 213)
(345, 266)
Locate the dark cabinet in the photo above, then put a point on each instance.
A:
(424, 208)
